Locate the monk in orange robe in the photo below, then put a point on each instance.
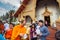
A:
(19, 31)
(8, 33)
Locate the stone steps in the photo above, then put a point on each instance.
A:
(52, 34)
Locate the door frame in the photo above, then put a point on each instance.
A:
(49, 18)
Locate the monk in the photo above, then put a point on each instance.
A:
(19, 31)
(8, 33)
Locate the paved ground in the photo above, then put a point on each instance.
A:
(52, 34)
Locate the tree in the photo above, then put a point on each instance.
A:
(11, 12)
(7, 15)
(3, 17)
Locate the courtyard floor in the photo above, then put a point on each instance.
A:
(52, 34)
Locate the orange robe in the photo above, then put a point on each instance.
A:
(16, 32)
(8, 34)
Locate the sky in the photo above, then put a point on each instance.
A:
(6, 5)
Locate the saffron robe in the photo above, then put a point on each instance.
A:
(16, 32)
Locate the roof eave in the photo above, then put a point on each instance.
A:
(21, 8)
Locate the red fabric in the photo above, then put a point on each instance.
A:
(1, 27)
(8, 34)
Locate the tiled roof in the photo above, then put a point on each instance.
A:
(21, 8)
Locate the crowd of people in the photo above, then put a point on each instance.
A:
(37, 31)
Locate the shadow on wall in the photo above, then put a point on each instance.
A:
(42, 3)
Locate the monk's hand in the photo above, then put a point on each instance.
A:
(21, 34)
(25, 36)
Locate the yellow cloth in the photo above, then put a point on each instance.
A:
(28, 30)
(16, 32)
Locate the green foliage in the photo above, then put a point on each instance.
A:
(9, 16)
